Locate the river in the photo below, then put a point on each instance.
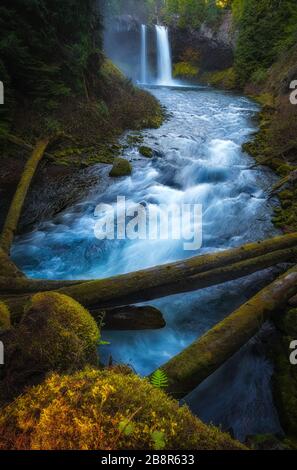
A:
(197, 160)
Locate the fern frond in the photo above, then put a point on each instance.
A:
(159, 379)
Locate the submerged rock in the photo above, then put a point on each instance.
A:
(146, 151)
(132, 317)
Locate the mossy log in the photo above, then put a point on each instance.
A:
(8, 270)
(189, 368)
(170, 273)
(162, 281)
(16, 206)
(130, 317)
(24, 285)
(165, 280)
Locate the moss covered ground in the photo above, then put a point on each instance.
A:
(105, 409)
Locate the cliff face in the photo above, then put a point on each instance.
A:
(215, 46)
(124, 24)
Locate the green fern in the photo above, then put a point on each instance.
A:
(159, 379)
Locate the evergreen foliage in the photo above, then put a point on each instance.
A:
(47, 48)
(266, 28)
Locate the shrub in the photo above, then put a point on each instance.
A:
(185, 70)
(259, 76)
(96, 409)
(224, 78)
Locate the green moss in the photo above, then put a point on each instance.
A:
(4, 317)
(286, 194)
(288, 323)
(265, 442)
(134, 139)
(185, 70)
(285, 374)
(146, 151)
(269, 147)
(121, 167)
(55, 334)
(265, 99)
(94, 410)
(223, 79)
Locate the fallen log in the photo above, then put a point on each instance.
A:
(189, 368)
(227, 272)
(146, 285)
(157, 276)
(130, 317)
(16, 206)
(24, 285)
(163, 281)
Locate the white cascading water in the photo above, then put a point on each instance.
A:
(143, 59)
(164, 76)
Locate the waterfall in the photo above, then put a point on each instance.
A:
(164, 56)
(143, 63)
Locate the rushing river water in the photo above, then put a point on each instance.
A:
(198, 159)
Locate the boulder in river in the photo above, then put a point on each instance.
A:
(121, 167)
